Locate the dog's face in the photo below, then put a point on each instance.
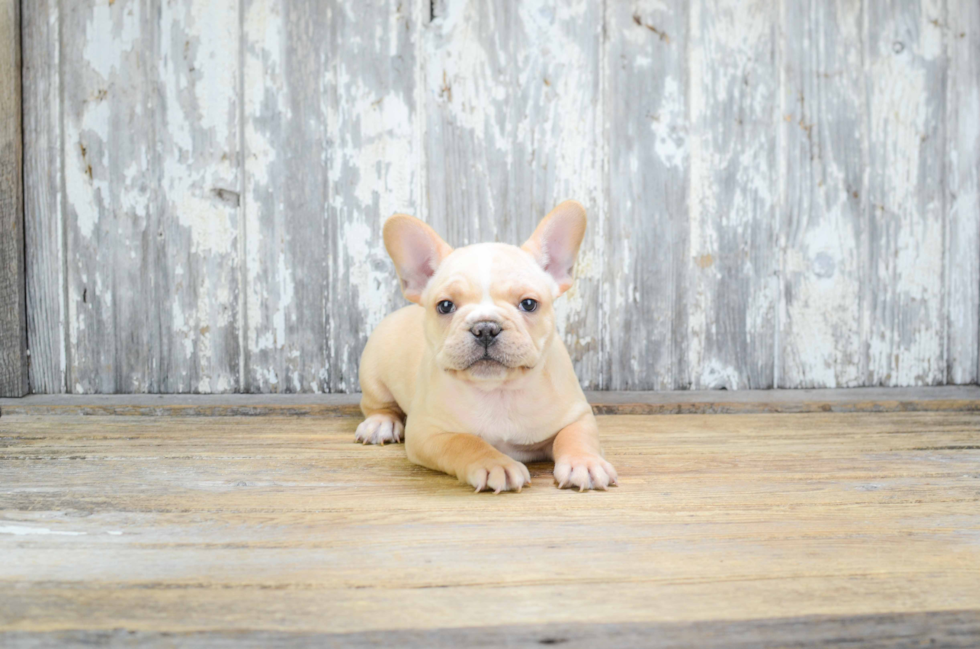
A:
(488, 307)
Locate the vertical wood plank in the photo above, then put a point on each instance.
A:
(905, 319)
(513, 109)
(646, 234)
(962, 36)
(13, 319)
(731, 263)
(823, 218)
(287, 292)
(43, 194)
(151, 180)
(333, 149)
(376, 165)
(285, 70)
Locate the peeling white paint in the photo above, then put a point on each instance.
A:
(503, 113)
(670, 126)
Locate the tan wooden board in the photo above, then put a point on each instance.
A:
(283, 525)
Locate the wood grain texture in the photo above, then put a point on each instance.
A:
(273, 525)
(332, 150)
(376, 164)
(13, 303)
(904, 290)
(43, 196)
(961, 34)
(823, 224)
(935, 629)
(730, 269)
(513, 105)
(605, 402)
(646, 305)
(781, 194)
(150, 159)
(286, 77)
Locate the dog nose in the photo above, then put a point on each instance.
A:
(486, 332)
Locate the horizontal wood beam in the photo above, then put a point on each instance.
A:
(13, 314)
(948, 398)
(883, 631)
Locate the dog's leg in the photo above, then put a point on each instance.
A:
(469, 458)
(384, 420)
(578, 457)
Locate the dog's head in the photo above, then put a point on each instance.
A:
(488, 307)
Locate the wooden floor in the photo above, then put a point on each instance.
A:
(837, 529)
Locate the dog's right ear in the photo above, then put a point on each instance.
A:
(416, 250)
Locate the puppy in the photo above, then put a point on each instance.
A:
(474, 374)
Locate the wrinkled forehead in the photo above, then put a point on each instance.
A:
(489, 267)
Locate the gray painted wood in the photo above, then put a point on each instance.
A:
(647, 233)
(333, 149)
(43, 196)
(961, 35)
(950, 398)
(903, 297)
(285, 239)
(730, 269)
(376, 165)
(13, 320)
(151, 179)
(822, 226)
(782, 193)
(513, 105)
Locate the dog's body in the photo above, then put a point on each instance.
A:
(476, 365)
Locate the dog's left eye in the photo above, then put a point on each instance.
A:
(445, 307)
(528, 305)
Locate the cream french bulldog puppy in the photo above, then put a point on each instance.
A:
(474, 373)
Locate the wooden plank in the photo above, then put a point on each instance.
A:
(730, 269)
(151, 164)
(13, 303)
(286, 247)
(333, 150)
(646, 237)
(903, 298)
(941, 629)
(947, 398)
(376, 165)
(43, 197)
(513, 105)
(141, 276)
(240, 525)
(961, 33)
(823, 223)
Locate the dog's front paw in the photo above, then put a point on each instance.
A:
(380, 428)
(584, 472)
(503, 474)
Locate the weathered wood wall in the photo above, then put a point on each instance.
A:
(13, 317)
(783, 193)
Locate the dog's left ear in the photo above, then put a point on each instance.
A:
(417, 252)
(556, 241)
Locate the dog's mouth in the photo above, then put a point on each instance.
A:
(486, 362)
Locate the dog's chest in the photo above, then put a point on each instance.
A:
(506, 417)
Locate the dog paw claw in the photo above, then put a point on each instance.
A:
(584, 472)
(498, 475)
(380, 428)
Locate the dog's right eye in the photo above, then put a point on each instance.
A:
(445, 307)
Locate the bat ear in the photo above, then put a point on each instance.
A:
(556, 241)
(416, 250)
